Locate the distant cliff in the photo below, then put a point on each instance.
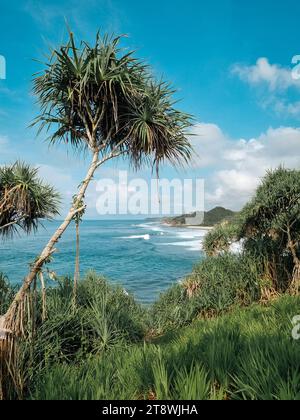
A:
(211, 218)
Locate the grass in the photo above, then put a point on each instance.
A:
(246, 354)
(205, 339)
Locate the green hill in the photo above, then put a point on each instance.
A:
(211, 218)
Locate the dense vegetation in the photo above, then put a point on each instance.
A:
(111, 348)
(268, 229)
(104, 317)
(215, 285)
(199, 341)
(243, 355)
(211, 217)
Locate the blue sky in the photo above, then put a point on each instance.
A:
(229, 59)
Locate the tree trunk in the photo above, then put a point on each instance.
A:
(295, 284)
(44, 297)
(49, 249)
(76, 274)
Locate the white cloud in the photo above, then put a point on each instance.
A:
(232, 168)
(207, 140)
(283, 107)
(274, 82)
(274, 76)
(239, 165)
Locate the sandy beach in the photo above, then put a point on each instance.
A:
(199, 227)
(208, 228)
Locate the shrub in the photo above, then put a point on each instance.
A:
(220, 239)
(246, 354)
(6, 293)
(215, 285)
(105, 317)
(271, 222)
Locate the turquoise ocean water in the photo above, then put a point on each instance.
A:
(144, 257)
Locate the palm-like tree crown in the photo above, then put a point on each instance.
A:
(101, 98)
(24, 199)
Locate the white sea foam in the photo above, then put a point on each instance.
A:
(145, 237)
(191, 235)
(156, 228)
(191, 240)
(150, 226)
(190, 245)
(142, 225)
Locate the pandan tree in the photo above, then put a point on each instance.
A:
(102, 100)
(273, 217)
(25, 200)
(77, 220)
